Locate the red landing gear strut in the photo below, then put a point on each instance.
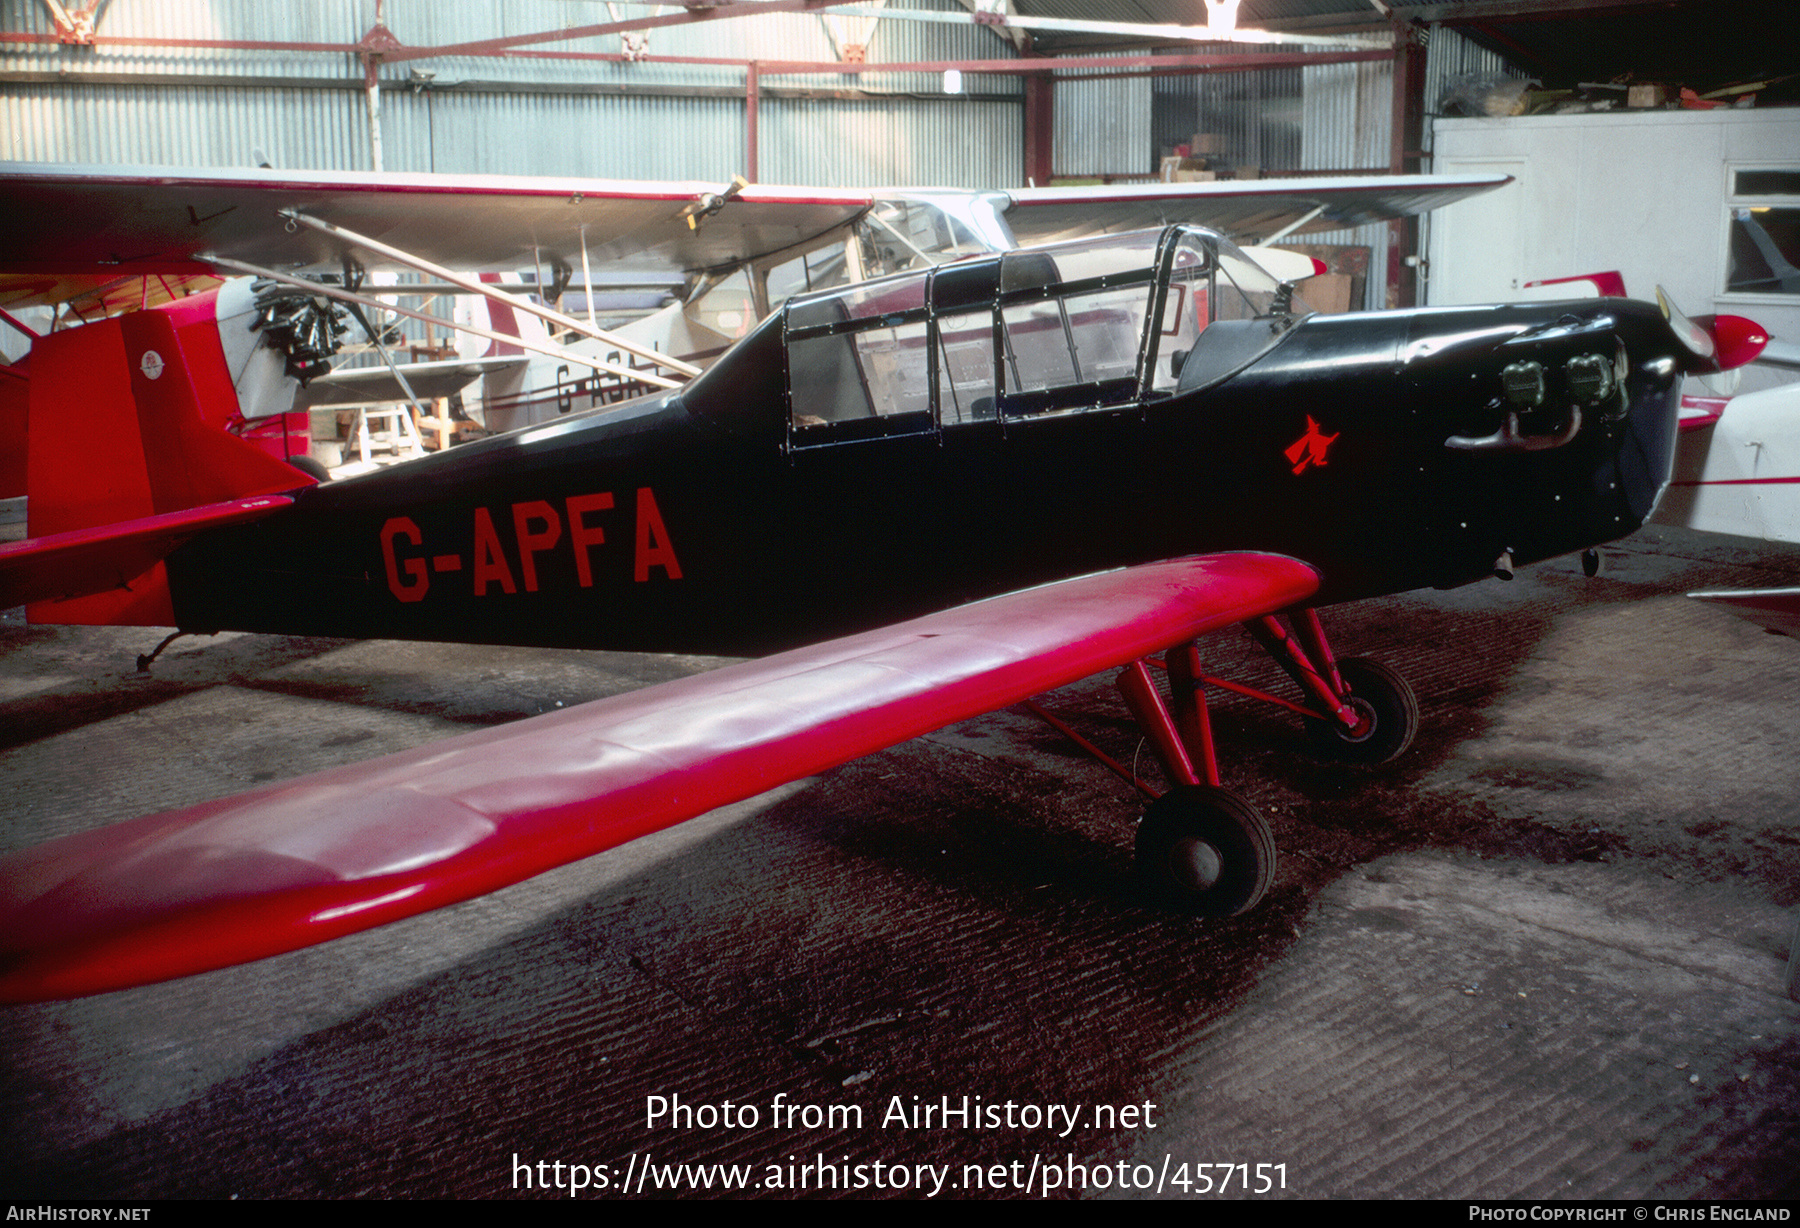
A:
(1203, 848)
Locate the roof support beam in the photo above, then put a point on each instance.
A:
(712, 12)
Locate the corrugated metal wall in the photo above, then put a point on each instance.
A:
(539, 115)
(517, 115)
(1450, 56)
(1255, 114)
(1103, 125)
(941, 142)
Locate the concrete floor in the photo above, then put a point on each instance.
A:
(1541, 956)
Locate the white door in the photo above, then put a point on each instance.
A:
(1476, 246)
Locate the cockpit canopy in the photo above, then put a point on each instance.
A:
(1026, 333)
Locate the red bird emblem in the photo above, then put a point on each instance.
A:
(1309, 449)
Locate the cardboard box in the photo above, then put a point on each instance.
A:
(1176, 169)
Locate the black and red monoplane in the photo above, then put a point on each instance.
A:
(927, 496)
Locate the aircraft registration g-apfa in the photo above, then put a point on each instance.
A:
(928, 495)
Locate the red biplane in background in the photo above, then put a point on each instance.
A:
(929, 494)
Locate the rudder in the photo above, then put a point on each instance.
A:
(122, 425)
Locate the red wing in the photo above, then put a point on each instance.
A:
(84, 561)
(358, 846)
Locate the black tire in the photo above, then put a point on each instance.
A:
(1388, 709)
(1205, 850)
(310, 467)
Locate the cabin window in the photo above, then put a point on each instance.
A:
(859, 363)
(966, 367)
(727, 307)
(820, 269)
(1073, 321)
(898, 236)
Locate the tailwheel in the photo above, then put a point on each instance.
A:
(1387, 716)
(1205, 850)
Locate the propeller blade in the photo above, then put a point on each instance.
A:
(1717, 342)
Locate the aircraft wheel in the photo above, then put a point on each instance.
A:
(1387, 710)
(310, 467)
(1206, 851)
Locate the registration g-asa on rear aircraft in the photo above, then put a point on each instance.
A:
(1121, 443)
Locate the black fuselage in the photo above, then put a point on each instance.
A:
(715, 520)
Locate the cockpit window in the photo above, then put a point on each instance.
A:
(1112, 258)
(866, 300)
(1248, 292)
(1221, 312)
(1029, 334)
(897, 236)
(1073, 323)
(966, 367)
(1187, 309)
(819, 269)
(859, 363)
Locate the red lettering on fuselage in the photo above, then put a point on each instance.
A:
(653, 546)
(414, 588)
(581, 536)
(490, 560)
(530, 543)
(538, 533)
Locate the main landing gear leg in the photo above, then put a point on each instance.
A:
(1200, 848)
(1367, 714)
(1203, 848)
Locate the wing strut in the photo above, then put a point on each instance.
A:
(470, 285)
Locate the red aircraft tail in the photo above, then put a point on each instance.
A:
(122, 427)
